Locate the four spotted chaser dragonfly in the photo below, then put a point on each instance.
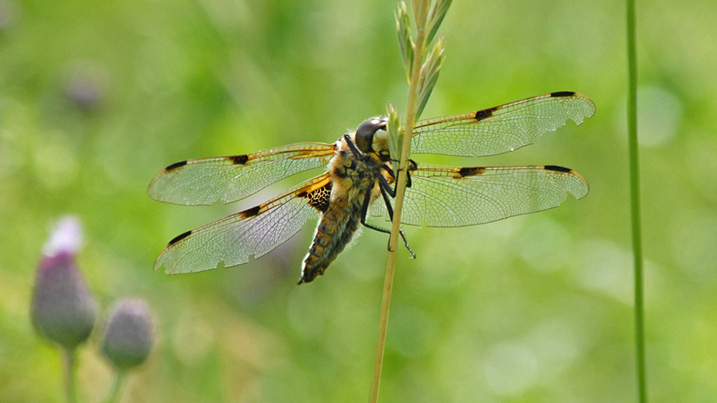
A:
(357, 185)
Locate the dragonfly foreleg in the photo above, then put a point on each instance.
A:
(352, 146)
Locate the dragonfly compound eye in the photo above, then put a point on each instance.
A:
(365, 132)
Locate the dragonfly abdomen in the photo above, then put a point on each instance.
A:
(334, 231)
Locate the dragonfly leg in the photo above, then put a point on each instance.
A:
(364, 211)
(412, 166)
(352, 146)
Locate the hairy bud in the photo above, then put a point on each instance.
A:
(128, 338)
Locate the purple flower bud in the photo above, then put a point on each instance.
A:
(62, 306)
(85, 85)
(128, 338)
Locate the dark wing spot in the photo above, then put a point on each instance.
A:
(250, 212)
(471, 171)
(559, 94)
(557, 168)
(485, 113)
(179, 237)
(238, 159)
(176, 165)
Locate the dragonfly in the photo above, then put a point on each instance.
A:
(357, 187)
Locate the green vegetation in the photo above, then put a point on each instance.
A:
(96, 97)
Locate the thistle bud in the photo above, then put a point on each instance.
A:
(84, 86)
(62, 306)
(128, 338)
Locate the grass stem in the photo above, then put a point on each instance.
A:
(635, 203)
(411, 107)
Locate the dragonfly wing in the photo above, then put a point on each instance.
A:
(251, 233)
(227, 179)
(454, 197)
(502, 128)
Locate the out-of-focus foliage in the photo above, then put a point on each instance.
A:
(97, 96)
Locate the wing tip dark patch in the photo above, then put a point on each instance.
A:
(557, 168)
(176, 165)
(251, 212)
(238, 159)
(485, 113)
(179, 237)
(559, 94)
(471, 171)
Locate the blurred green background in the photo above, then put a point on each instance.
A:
(96, 97)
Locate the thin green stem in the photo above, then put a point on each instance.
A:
(69, 364)
(635, 203)
(401, 188)
(116, 387)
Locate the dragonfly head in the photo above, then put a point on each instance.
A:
(367, 130)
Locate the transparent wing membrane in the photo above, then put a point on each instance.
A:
(499, 129)
(455, 197)
(235, 239)
(227, 179)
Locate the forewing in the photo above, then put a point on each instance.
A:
(227, 179)
(235, 239)
(502, 128)
(454, 197)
